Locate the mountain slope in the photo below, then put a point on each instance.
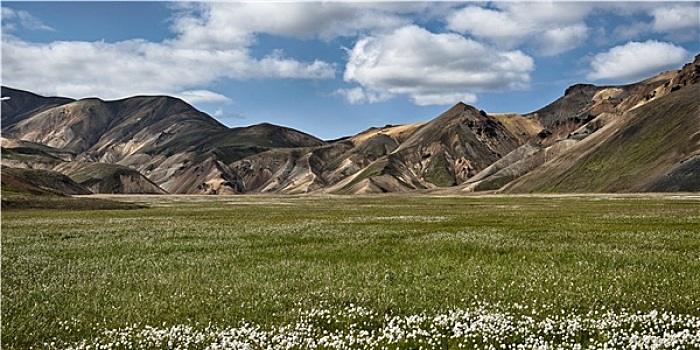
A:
(442, 152)
(110, 130)
(633, 153)
(18, 105)
(606, 110)
(636, 137)
(39, 182)
(455, 146)
(583, 103)
(109, 178)
(159, 136)
(24, 189)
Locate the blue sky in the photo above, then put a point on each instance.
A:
(333, 69)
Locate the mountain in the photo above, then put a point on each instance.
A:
(655, 147)
(442, 152)
(39, 182)
(159, 137)
(24, 189)
(18, 104)
(637, 137)
(109, 178)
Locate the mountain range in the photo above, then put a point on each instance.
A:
(638, 137)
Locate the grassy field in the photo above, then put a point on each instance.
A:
(396, 272)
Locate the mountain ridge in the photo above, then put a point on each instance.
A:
(175, 148)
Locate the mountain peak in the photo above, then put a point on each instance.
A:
(456, 109)
(579, 88)
(459, 107)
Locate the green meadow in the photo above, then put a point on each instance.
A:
(340, 272)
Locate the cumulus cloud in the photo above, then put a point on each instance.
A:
(431, 68)
(211, 41)
(550, 27)
(674, 21)
(670, 18)
(497, 26)
(358, 95)
(678, 22)
(562, 39)
(637, 60)
(173, 66)
(115, 70)
(221, 24)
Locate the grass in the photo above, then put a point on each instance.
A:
(202, 265)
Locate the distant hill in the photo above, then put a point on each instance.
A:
(159, 137)
(109, 178)
(39, 182)
(24, 189)
(637, 137)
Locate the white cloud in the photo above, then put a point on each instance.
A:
(549, 27)
(680, 22)
(120, 69)
(358, 95)
(637, 60)
(497, 26)
(12, 18)
(211, 41)
(202, 96)
(443, 99)
(222, 24)
(113, 70)
(561, 39)
(670, 18)
(675, 21)
(276, 65)
(431, 68)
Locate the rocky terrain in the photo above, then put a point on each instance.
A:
(638, 137)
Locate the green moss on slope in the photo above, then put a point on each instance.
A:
(656, 137)
(375, 169)
(438, 172)
(105, 176)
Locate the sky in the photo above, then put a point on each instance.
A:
(333, 69)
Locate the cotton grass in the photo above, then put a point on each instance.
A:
(394, 272)
(480, 326)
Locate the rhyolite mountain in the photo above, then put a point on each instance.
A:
(159, 137)
(637, 137)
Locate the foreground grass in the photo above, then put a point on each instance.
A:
(212, 267)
